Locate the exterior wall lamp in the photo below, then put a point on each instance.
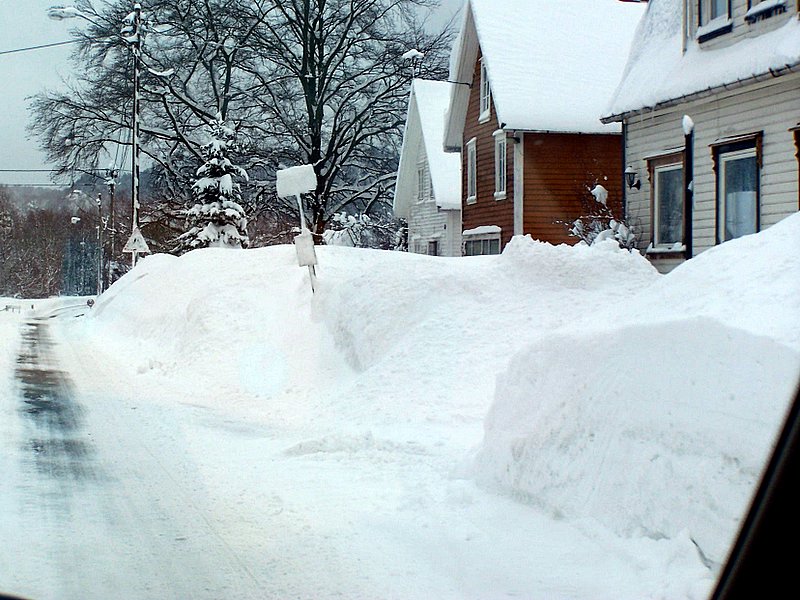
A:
(631, 179)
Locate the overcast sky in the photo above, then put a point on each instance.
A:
(24, 23)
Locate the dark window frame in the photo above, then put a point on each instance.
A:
(656, 162)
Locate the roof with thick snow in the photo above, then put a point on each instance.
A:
(426, 113)
(658, 70)
(552, 64)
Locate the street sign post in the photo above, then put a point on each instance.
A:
(136, 245)
(293, 182)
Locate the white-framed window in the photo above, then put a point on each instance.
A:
(479, 246)
(422, 183)
(500, 166)
(472, 173)
(668, 223)
(486, 94)
(433, 248)
(737, 192)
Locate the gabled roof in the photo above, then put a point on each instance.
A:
(658, 70)
(552, 64)
(427, 105)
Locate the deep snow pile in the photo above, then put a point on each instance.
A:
(659, 421)
(631, 407)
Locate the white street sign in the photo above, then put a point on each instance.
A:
(136, 243)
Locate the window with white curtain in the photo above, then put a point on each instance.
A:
(737, 193)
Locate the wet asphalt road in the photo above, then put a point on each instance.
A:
(56, 444)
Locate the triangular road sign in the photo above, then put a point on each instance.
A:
(136, 243)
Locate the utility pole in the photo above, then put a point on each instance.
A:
(99, 244)
(131, 33)
(111, 182)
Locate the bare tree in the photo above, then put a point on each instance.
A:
(317, 82)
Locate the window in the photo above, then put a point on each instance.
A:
(668, 205)
(499, 164)
(486, 95)
(737, 193)
(713, 9)
(471, 172)
(759, 10)
(421, 183)
(433, 248)
(713, 18)
(482, 246)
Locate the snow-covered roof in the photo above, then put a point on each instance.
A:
(552, 65)
(426, 113)
(659, 71)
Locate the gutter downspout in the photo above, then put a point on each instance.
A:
(688, 193)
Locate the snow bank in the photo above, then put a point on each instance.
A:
(752, 283)
(9, 324)
(658, 421)
(238, 322)
(649, 443)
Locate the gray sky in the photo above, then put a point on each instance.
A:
(24, 23)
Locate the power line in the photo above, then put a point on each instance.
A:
(27, 49)
(34, 185)
(52, 170)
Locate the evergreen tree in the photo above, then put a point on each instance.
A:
(217, 219)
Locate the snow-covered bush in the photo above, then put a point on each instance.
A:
(363, 231)
(599, 223)
(217, 218)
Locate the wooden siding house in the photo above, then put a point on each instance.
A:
(710, 108)
(428, 187)
(531, 80)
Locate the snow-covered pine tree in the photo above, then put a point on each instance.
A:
(217, 219)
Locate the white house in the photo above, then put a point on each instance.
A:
(428, 189)
(710, 107)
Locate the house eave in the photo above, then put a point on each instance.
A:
(461, 74)
(705, 93)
